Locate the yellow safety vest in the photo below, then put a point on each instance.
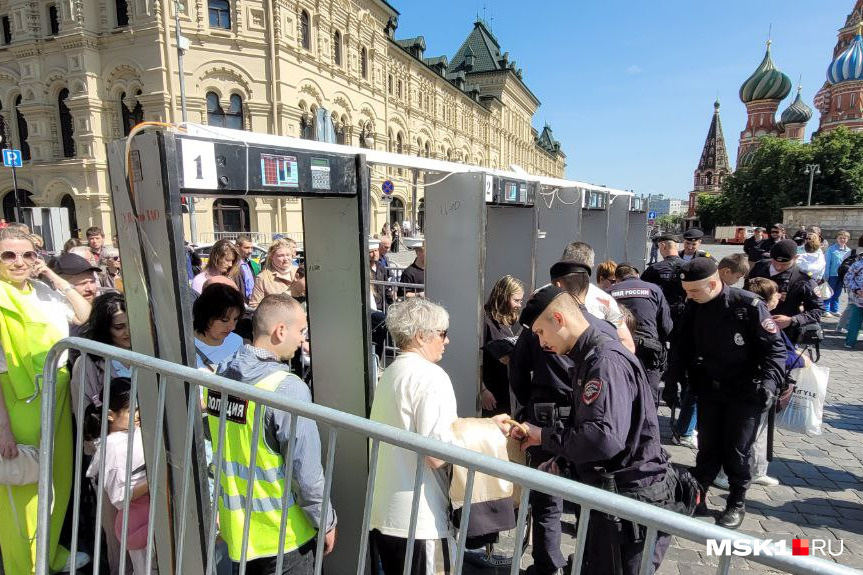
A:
(269, 481)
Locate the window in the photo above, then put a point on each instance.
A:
(131, 118)
(390, 84)
(220, 14)
(68, 202)
(67, 130)
(337, 48)
(24, 198)
(307, 127)
(54, 19)
(364, 63)
(23, 132)
(215, 113)
(231, 215)
(122, 9)
(234, 115)
(399, 89)
(397, 210)
(7, 30)
(341, 133)
(428, 150)
(399, 143)
(305, 31)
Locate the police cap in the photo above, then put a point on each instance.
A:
(668, 237)
(537, 303)
(566, 267)
(698, 269)
(693, 234)
(784, 251)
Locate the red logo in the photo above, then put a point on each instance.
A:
(592, 389)
(769, 325)
(800, 547)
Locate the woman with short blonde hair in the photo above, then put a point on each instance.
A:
(279, 271)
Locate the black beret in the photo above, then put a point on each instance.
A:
(693, 234)
(668, 237)
(566, 267)
(698, 269)
(784, 251)
(537, 304)
(73, 264)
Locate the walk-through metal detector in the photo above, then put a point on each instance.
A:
(479, 227)
(636, 234)
(161, 168)
(558, 212)
(605, 223)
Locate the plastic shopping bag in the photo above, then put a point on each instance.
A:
(805, 411)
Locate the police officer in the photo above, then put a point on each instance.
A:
(799, 303)
(666, 274)
(611, 438)
(730, 351)
(756, 246)
(648, 305)
(691, 242)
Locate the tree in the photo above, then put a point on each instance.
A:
(774, 179)
(669, 222)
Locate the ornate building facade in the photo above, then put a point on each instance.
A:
(76, 74)
(713, 166)
(840, 100)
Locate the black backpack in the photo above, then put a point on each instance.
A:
(847, 263)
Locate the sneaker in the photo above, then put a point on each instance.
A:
(765, 480)
(721, 481)
(486, 559)
(73, 564)
(848, 345)
(690, 441)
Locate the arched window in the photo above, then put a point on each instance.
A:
(307, 127)
(68, 202)
(399, 89)
(54, 19)
(390, 84)
(305, 31)
(131, 118)
(215, 113)
(122, 9)
(220, 14)
(67, 130)
(341, 131)
(399, 143)
(231, 215)
(23, 131)
(24, 197)
(337, 48)
(397, 210)
(428, 150)
(364, 63)
(234, 115)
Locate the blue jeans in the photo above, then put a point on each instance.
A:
(688, 417)
(832, 304)
(855, 321)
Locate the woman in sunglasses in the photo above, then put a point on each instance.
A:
(33, 317)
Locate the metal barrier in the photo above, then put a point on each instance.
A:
(589, 498)
(260, 238)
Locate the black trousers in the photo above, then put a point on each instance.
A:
(616, 549)
(654, 376)
(546, 511)
(389, 553)
(300, 561)
(726, 432)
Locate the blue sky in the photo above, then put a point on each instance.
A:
(628, 87)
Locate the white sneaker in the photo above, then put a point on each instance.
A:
(721, 481)
(73, 564)
(765, 480)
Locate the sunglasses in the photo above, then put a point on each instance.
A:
(114, 258)
(443, 333)
(10, 257)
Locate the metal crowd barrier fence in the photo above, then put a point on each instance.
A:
(589, 498)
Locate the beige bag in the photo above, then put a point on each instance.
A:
(22, 470)
(480, 435)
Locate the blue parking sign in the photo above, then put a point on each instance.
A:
(12, 158)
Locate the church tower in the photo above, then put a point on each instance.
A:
(840, 100)
(713, 166)
(761, 93)
(795, 117)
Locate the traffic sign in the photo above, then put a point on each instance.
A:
(651, 221)
(12, 158)
(651, 215)
(388, 187)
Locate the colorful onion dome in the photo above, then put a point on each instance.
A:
(848, 66)
(798, 112)
(746, 159)
(766, 83)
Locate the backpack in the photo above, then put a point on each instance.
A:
(847, 263)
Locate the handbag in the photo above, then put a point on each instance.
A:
(22, 470)
(825, 291)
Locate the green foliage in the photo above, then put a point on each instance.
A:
(774, 179)
(670, 222)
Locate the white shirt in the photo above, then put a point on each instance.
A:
(114, 480)
(813, 263)
(603, 306)
(416, 395)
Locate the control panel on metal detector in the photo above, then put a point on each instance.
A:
(218, 165)
(513, 192)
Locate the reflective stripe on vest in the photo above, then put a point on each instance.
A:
(268, 489)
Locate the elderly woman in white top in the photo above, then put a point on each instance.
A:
(414, 394)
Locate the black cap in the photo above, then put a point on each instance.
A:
(778, 227)
(668, 237)
(628, 265)
(784, 251)
(758, 229)
(566, 267)
(698, 269)
(693, 234)
(73, 264)
(537, 303)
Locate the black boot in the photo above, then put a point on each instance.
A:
(701, 509)
(733, 515)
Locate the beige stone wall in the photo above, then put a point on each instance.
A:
(278, 80)
(831, 219)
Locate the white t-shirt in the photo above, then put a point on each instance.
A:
(116, 449)
(415, 395)
(603, 306)
(56, 309)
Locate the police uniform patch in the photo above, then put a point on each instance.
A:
(738, 339)
(769, 325)
(235, 411)
(591, 391)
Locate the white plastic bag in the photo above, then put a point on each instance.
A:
(805, 411)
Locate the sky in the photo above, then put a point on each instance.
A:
(628, 86)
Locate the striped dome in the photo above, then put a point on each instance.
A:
(766, 83)
(798, 112)
(848, 66)
(746, 159)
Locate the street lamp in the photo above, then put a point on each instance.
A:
(183, 45)
(811, 170)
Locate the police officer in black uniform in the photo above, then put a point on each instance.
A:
(611, 438)
(731, 353)
(541, 382)
(796, 289)
(666, 274)
(691, 242)
(756, 246)
(648, 305)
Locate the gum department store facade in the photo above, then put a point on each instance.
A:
(77, 74)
